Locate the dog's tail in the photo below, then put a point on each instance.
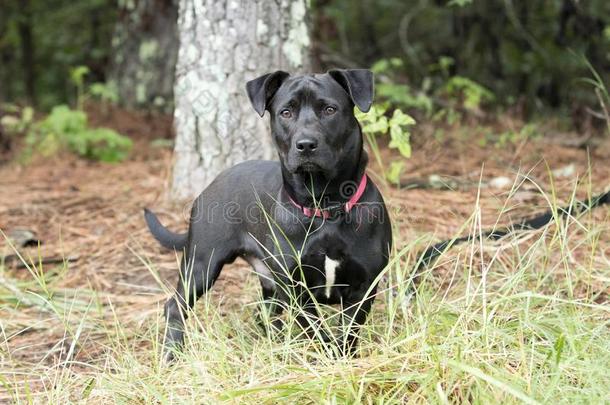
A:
(434, 251)
(165, 237)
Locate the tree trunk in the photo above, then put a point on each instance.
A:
(225, 43)
(145, 50)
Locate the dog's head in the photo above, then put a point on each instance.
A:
(312, 116)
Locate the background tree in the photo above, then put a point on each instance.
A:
(42, 41)
(224, 44)
(529, 55)
(145, 46)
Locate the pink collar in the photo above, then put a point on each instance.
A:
(326, 213)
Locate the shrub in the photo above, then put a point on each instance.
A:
(375, 123)
(65, 128)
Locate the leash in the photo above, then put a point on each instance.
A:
(436, 250)
(342, 208)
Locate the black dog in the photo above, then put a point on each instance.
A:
(312, 225)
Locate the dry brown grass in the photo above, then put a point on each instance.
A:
(93, 212)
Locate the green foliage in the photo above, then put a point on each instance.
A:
(374, 121)
(399, 132)
(64, 34)
(519, 51)
(375, 124)
(403, 96)
(473, 95)
(451, 95)
(459, 3)
(601, 91)
(104, 92)
(398, 95)
(394, 172)
(65, 128)
(20, 123)
(385, 66)
(77, 76)
(511, 137)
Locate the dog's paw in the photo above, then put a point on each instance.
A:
(169, 357)
(270, 327)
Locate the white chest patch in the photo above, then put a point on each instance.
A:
(330, 268)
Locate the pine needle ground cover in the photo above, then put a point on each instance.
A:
(521, 320)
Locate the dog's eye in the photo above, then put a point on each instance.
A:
(330, 110)
(286, 113)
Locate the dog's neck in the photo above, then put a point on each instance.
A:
(315, 190)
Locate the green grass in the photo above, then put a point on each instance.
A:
(525, 320)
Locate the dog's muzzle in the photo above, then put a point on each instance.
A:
(310, 156)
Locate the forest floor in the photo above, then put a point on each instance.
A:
(65, 328)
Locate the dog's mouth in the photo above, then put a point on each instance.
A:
(308, 167)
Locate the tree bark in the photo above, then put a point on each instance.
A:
(145, 47)
(225, 43)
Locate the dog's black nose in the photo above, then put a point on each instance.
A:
(307, 145)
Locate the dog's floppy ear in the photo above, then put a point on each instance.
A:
(358, 83)
(261, 89)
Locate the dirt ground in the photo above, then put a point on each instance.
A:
(91, 213)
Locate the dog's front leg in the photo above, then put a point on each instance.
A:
(354, 312)
(273, 307)
(299, 299)
(308, 318)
